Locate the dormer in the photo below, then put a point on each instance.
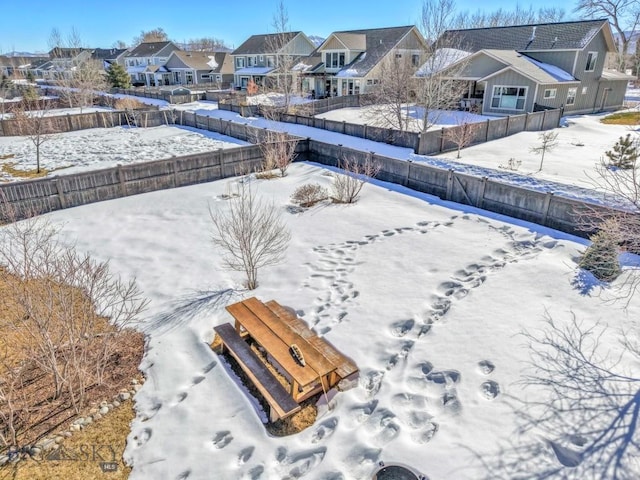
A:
(341, 48)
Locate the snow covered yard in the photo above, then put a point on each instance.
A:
(427, 297)
(582, 143)
(82, 150)
(370, 115)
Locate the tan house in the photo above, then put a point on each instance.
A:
(195, 68)
(350, 60)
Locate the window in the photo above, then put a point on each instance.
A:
(239, 62)
(335, 60)
(251, 61)
(592, 57)
(550, 93)
(205, 76)
(509, 98)
(415, 59)
(571, 96)
(584, 90)
(271, 61)
(261, 58)
(189, 78)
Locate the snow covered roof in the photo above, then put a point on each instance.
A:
(537, 71)
(441, 59)
(254, 71)
(615, 75)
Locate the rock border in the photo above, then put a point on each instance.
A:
(53, 441)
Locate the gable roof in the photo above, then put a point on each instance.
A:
(537, 71)
(211, 61)
(66, 52)
(257, 44)
(541, 36)
(150, 49)
(379, 42)
(107, 53)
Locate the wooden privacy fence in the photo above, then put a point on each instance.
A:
(69, 123)
(495, 196)
(427, 143)
(34, 197)
(166, 96)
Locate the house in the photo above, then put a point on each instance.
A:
(109, 56)
(350, 61)
(263, 57)
(19, 66)
(194, 68)
(146, 63)
(63, 61)
(524, 68)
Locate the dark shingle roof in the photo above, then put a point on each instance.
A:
(257, 44)
(542, 36)
(379, 41)
(148, 49)
(107, 53)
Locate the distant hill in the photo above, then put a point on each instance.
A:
(317, 40)
(23, 54)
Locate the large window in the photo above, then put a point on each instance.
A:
(239, 62)
(592, 57)
(271, 61)
(335, 60)
(550, 93)
(571, 96)
(509, 98)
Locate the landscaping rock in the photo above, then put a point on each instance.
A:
(48, 444)
(67, 434)
(59, 439)
(116, 403)
(134, 382)
(137, 387)
(75, 427)
(3, 459)
(103, 410)
(124, 396)
(87, 421)
(97, 416)
(93, 410)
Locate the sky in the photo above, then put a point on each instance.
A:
(101, 24)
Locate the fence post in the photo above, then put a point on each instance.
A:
(544, 116)
(123, 186)
(174, 164)
(480, 200)
(526, 121)
(442, 133)
(60, 190)
(344, 126)
(221, 162)
(506, 130)
(545, 208)
(486, 137)
(449, 185)
(406, 180)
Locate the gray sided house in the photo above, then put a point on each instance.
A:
(350, 60)
(262, 57)
(195, 68)
(109, 56)
(523, 68)
(145, 63)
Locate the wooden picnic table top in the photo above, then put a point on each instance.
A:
(275, 346)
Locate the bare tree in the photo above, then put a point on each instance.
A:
(501, 18)
(548, 141)
(155, 35)
(206, 44)
(624, 17)
(390, 100)
(348, 185)
(251, 234)
(283, 76)
(463, 134)
(436, 88)
(32, 120)
(586, 412)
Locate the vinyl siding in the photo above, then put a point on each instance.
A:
(480, 66)
(508, 79)
(563, 60)
(411, 42)
(599, 45)
(300, 46)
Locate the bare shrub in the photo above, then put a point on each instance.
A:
(251, 234)
(278, 151)
(64, 317)
(128, 103)
(601, 257)
(463, 134)
(348, 185)
(309, 194)
(548, 141)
